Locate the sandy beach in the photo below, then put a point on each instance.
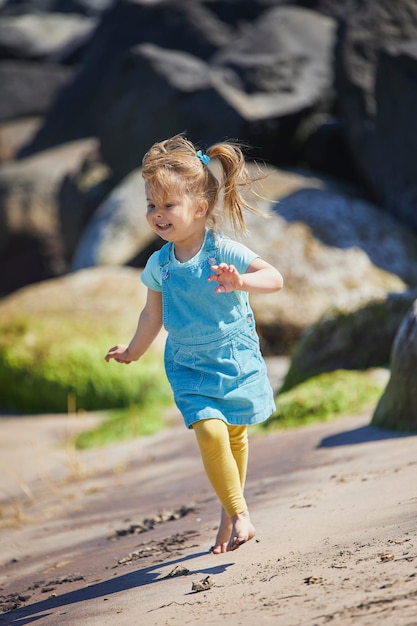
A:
(121, 535)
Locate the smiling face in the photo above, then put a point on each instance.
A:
(175, 216)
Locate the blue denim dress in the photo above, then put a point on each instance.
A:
(212, 356)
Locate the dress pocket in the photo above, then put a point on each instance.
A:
(248, 356)
(182, 371)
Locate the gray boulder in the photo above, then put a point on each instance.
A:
(81, 192)
(397, 408)
(118, 228)
(151, 93)
(347, 222)
(286, 53)
(42, 36)
(257, 88)
(30, 239)
(375, 78)
(354, 340)
(153, 70)
(317, 278)
(29, 88)
(125, 25)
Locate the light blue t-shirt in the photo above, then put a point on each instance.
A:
(230, 252)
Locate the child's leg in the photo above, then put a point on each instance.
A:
(238, 437)
(224, 454)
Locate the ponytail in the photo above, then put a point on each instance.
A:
(236, 179)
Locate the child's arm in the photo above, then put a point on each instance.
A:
(149, 325)
(260, 277)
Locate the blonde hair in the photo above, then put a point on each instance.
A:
(175, 162)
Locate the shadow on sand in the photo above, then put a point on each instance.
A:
(363, 434)
(33, 612)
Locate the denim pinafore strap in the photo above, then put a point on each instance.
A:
(210, 247)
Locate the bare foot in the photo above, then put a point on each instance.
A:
(223, 534)
(242, 531)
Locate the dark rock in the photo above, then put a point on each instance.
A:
(81, 7)
(277, 72)
(30, 235)
(397, 408)
(375, 77)
(124, 25)
(29, 258)
(79, 195)
(152, 93)
(29, 88)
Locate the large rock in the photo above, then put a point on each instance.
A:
(153, 70)
(330, 250)
(376, 70)
(151, 93)
(397, 408)
(29, 88)
(91, 297)
(345, 221)
(118, 229)
(37, 36)
(124, 25)
(395, 132)
(30, 239)
(80, 194)
(355, 340)
(286, 54)
(317, 277)
(257, 88)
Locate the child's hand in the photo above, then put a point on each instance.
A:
(119, 353)
(227, 276)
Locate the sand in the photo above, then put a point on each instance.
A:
(86, 538)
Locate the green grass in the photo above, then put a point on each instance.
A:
(43, 381)
(326, 396)
(53, 339)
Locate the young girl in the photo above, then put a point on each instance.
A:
(198, 286)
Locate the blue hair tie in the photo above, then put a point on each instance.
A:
(204, 158)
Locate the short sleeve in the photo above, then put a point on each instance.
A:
(236, 253)
(151, 275)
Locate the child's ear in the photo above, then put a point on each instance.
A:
(202, 208)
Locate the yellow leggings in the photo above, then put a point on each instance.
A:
(224, 450)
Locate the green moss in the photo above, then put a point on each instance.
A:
(40, 375)
(53, 339)
(325, 396)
